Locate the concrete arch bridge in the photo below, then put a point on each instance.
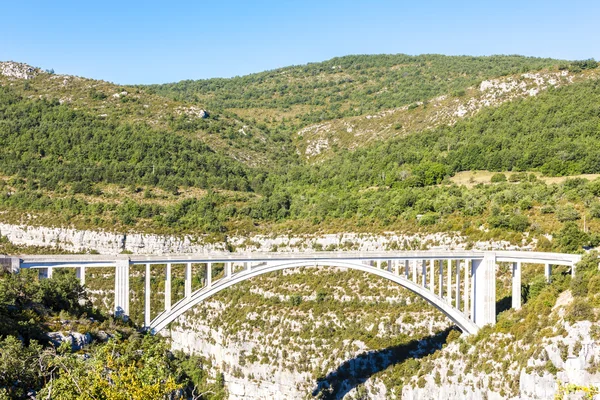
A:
(461, 284)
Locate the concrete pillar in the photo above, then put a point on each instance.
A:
(432, 275)
(449, 283)
(457, 289)
(472, 295)
(248, 265)
(49, 273)
(168, 287)
(406, 269)
(80, 274)
(424, 273)
(414, 271)
(378, 264)
(147, 296)
(516, 285)
(208, 274)
(10, 264)
(228, 270)
(467, 288)
(389, 266)
(547, 272)
(188, 279)
(441, 279)
(484, 285)
(122, 287)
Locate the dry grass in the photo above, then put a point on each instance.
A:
(472, 178)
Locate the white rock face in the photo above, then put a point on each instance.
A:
(250, 381)
(17, 70)
(114, 243)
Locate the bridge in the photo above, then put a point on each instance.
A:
(461, 284)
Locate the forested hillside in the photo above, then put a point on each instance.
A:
(65, 165)
(344, 86)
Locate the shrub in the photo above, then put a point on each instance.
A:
(567, 213)
(579, 310)
(498, 178)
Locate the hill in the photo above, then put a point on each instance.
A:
(126, 172)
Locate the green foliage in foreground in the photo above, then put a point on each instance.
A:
(127, 366)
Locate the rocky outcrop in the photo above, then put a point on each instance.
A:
(103, 242)
(18, 70)
(75, 339)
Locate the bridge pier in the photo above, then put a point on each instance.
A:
(449, 283)
(467, 293)
(457, 288)
(516, 285)
(208, 274)
(10, 264)
(484, 286)
(122, 287)
(188, 279)
(168, 287)
(441, 279)
(432, 275)
(147, 294)
(80, 274)
(547, 271)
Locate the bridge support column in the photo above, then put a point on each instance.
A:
(484, 285)
(228, 270)
(248, 266)
(122, 287)
(49, 272)
(441, 279)
(516, 285)
(414, 272)
(208, 275)
(467, 293)
(449, 283)
(457, 288)
(547, 272)
(10, 264)
(80, 273)
(147, 297)
(432, 276)
(188, 280)
(168, 287)
(424, 273)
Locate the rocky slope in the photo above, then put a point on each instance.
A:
(319, 140)
(101, 242)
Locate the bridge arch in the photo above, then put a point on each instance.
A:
(179, 308)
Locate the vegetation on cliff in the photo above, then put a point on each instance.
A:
(112, 361)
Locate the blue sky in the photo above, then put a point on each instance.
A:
(164, 41)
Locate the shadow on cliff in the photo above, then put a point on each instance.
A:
(358, 370)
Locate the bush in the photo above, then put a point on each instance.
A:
(567, 213)
(570, 239)
(429, 219)
(518, 222)
(579, 310)
(498, 178)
